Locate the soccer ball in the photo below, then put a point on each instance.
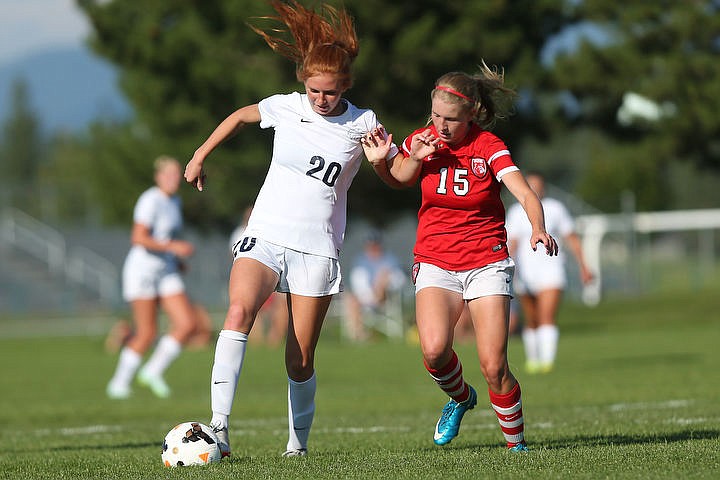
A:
(190, 443)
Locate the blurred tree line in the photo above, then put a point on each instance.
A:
(185, 65)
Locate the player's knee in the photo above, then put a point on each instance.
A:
(145, 335)
(299, 369)
(183, 330)
(436, 356)
(494, 373)
(239, 318)
(140, 343)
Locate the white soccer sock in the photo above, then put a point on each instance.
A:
(530, 342)
(547, 340)
(127, 365)
(301, 410)
(166, 351)
(229, 355)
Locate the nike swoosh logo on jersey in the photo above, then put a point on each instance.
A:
(305, 120)
(216, 383)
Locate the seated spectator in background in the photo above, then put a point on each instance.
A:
(374, 276)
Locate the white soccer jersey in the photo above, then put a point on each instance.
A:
(163, 216)
(536, 264)
(303, 201)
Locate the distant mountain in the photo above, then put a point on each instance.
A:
(68, 88)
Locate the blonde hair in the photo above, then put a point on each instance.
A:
(484, 94)
(323, 42)
(162, 161)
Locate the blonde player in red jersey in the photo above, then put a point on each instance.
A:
(461, 256)
(295, 232)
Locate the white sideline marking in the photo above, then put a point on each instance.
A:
(73, 431)
(260, 423)
(689, 421)
(353, 430)
(358, 430)
(646, 405)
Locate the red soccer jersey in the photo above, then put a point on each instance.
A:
(461, 222)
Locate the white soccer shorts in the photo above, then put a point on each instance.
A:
(300, 273)
(492, 279)
(531, 280)
(140, 282)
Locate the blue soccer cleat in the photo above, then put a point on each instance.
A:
(448, 426)
(519, 448)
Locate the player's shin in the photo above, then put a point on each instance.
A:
(508, 408)
(301, 410)
(229, 356)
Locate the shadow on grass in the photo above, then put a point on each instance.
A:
(105, 446)
(598, 441)
(619, 439)
(561, 443)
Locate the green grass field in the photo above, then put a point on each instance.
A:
(635, 394)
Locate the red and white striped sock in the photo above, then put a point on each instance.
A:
(508, 408)
(450, 379)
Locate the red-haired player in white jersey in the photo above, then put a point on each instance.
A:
(461, 256)
(295, 232)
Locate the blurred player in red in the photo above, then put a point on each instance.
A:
(295, 233)
(461, 256)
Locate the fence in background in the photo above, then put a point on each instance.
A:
(630, 253)
(79, 265)
(636, 246)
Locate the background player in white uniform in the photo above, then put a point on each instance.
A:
(295, 232)
(540, 280)
(150, 276)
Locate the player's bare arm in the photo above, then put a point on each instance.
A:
(407, 169)
(194, 173)
(141, 235)
(573, 242)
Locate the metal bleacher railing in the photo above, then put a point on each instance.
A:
(79, 265)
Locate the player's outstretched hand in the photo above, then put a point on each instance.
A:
(376, 145)
(195, 175)
(551, 246)
(424, 144)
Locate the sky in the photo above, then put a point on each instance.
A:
(31, 26)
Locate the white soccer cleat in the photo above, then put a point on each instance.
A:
(156, 384)
(117, 392)
(223, 439)
(299, 452)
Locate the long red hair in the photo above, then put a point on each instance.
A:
(323, 42)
